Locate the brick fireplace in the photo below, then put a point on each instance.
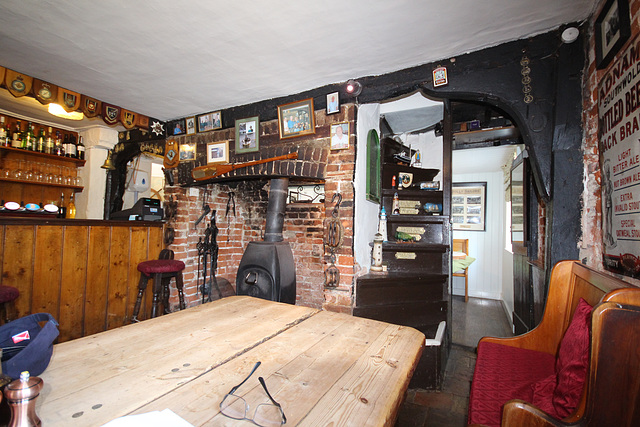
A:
(303, 222)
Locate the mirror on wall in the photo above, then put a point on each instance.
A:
(517, 201)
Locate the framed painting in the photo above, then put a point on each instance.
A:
(247, 135)
(468, 200)
(612, 30)
(179, 127)
(191, 125)
(209, 121)
(187, 152)
(218, 152)
(296, 119)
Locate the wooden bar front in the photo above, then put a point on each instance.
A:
(83, 272)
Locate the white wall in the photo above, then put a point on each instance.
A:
(486, 273)
(365, 225)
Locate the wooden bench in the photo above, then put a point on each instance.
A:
(570, 281)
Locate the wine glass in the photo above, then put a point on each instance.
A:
(57, 177)
(67, 178)
(18, 172)
(28, 171)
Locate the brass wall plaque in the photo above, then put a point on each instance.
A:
(416, 232)
(405, 255)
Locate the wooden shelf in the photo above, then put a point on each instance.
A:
(77, 162)
(413, 193)
(46, 184)
(413, 247)
(433, 219)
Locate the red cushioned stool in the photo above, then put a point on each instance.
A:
(7, 294)
(161, 270)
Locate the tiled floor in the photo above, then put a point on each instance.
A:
(448, 408)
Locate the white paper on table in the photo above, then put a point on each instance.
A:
(164, 418)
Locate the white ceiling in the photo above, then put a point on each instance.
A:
(169, 59)
(482, 160)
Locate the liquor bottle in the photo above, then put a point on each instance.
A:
(16, 141)
(72, 147)
(71, 208)
(28, 138)
(49, 146)
(65, 145)
(40, 143)
(21, 395)
(62, 211)
(81, 149)
(59, 149)
(3, 133)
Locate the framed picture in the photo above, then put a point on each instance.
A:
(612, 31)
(247, 135)
(209, 121)
(468, 206)
(191, 125)
(218, 152)
(340, 136)
(296, 119)
(187, 152)
(179, 127)
(333, 103)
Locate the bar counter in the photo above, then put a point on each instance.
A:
(83, 272)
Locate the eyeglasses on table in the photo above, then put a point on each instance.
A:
(265, 415)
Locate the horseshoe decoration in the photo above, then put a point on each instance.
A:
(333, 236)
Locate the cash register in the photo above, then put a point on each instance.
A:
(145, 209)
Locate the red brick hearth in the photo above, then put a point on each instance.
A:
(304, 222)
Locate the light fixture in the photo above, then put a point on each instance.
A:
(353, 87)
(570, 34)
(108, 163)
(58, 111)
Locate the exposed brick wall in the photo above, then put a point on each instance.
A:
(591, 248)
(304, 222)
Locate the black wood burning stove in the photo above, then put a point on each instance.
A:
(267, 269)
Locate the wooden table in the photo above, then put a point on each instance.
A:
(324, 368)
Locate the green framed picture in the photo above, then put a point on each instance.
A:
(373, 166)
(247, 135)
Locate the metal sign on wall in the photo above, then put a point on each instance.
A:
(619, 145)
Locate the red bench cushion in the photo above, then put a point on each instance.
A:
(503, 373)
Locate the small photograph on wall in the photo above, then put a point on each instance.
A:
(179, 127)
(333, 103)
(191, 125)
(468, 206)
(296, 119)
(209, 121)
(187, 152)
(247, 137)
(340, 136)
(218, 152)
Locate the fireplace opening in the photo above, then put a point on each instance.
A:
(267, 269)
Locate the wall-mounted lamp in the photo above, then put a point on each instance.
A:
(353, 87)
(108, 163)
(570, 34)
(58, 111)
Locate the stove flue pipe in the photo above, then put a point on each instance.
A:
(275, 209)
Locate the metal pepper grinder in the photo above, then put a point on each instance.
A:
(21, 395)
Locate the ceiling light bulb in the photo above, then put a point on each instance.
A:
(353, 87)
(58, 111)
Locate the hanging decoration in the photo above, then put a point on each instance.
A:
(69, 99)
(90, 106)
(110, 113)
(142, 122)
(333, 235)
(157, 128)
(127, 118)
(18, 84)
(45, 92)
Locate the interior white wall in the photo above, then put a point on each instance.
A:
(431, 152)
(486, 273)
(365, 225)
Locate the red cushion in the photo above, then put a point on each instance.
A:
(503, 373)
(160, 266)
(8, 293)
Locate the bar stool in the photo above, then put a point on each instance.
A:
(161, 270)
(8, 294)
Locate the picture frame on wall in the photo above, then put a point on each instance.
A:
(468, 206)
(187, 152)
(190, 125)
(613, 29)
(296, 119)
(209, 121)
(179, 127)
(340, 136)
(333, 103)
(218, 152)
(247, 135)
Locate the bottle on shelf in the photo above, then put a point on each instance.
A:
(72, 147)
(4, 141)
(21, 395)
(28, 138)
(65, 145)
(81, 149)
(16, 140)
(40, 142)
(62, 210)
(59, 148)
(382, 225)
(49, 145)
(71, 208)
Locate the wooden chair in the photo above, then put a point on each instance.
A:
(462, 245)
